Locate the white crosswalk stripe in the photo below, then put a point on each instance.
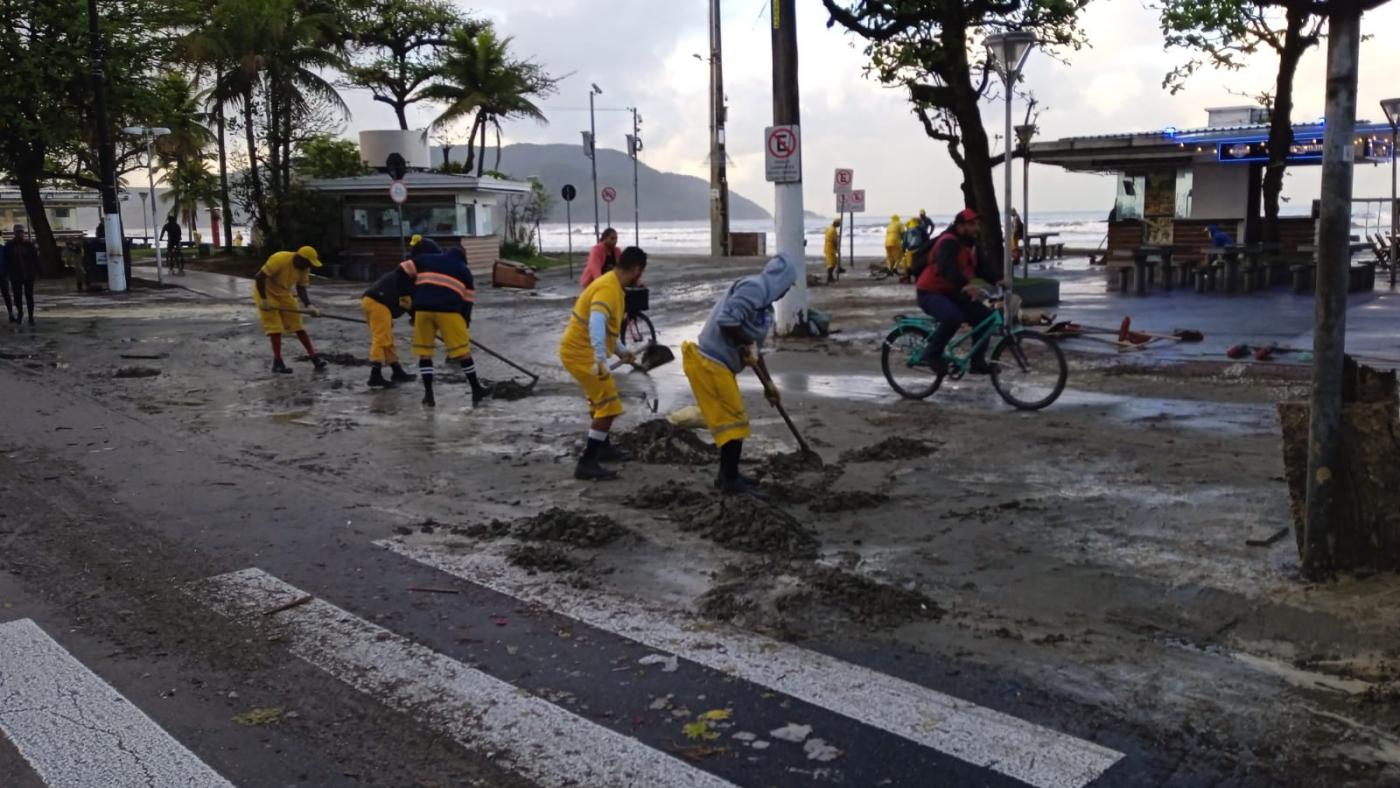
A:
(530, 736)
(75, 730)
(974, 734)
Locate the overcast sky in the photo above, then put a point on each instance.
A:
(641, 52)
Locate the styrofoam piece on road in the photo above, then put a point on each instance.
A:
(75, 730)
(980, 736)
(531, 736)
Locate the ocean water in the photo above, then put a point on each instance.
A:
(1080, 229)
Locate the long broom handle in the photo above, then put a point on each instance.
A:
(763, 377)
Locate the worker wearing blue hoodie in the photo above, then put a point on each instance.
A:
(729, 342)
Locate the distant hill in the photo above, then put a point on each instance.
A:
(666, 196)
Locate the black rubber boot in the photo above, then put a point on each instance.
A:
(609, 452)
(399, 375)
(425, 374)
(319, 363)
(376, 378)
(589, 470)
(480, 393)
(279, 367)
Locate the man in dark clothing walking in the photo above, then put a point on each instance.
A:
(21, 269)
(947, 294)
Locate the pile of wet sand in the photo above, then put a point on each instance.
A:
(509, 390)
(552, 525)
(136, 372)
(832, 501)
(751, 526)
(793, 463)
(661, 442)
(895, 448)
(541, 558)
(339, 359)
(803, 600)
(670, 495)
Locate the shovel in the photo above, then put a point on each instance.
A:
(767, 381)
(652, 356)
(488, 351)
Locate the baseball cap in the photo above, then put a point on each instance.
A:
(966, 215)
(310, 256)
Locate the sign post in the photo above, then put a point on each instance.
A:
(609, 194)
(398, 192)
(852, 203)
(841, 186)
(569, 193)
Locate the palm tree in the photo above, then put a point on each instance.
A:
(181, 111)
(478, 77)
(298, 51)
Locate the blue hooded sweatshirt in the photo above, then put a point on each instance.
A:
(748, 306)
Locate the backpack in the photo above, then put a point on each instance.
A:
(921, 259)
(914, 238)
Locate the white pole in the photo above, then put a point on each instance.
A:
(1394, 207)
(788, 196)
(151, 186)
(593, 135)
(1006, 269)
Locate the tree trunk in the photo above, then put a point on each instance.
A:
(400, 111)
(224, 204)
(447, 155)
(28, 179)
(497, 167)
(255, 182)
(1281, 120)
(978, 185)
(471, 145)
(481, 153)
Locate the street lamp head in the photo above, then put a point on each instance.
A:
(1025, 132)
(596, 90)
(1008, 52)
(1391, 108)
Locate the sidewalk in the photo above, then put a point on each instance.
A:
(201, 282)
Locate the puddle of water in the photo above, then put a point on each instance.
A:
(1303, 679)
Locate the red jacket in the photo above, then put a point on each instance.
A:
(599, 262)
(953, 263)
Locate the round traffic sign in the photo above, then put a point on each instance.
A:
(568, 192)
(782, 143)
(609, 194)
(398, 192)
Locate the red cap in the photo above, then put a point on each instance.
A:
(966, 215)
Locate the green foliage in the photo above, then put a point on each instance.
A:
(329, 157)
(395, 47)
(1225, 33)
(306, 217)
(478, 76)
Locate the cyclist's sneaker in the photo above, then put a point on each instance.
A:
(738, 486)
(609, 452)
(939, 365)
(591, 471)
(981, 366)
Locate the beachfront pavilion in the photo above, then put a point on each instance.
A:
(1174, 183)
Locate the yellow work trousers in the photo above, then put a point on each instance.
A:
(601, 392)
(892, 257)
(716, 391)
(831, 260)
(282, 318)
(381, 332)
(451, 325)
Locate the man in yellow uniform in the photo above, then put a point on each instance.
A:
(832, 248)
(444, 293)
(589, 339)
(385, 301)
(894, 236)
(736, 327)
(272, 293)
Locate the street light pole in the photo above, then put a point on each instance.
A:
(594, 90)
(1391, 107)
(634, 147)
(1023, 135)
(149, 134)
(719, 177)
(1008, 52)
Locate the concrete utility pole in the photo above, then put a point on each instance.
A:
(1333, 264)
(1024, 134)
(788, 195)
(719, 178)
(593, 90)
(634, 147)
(116, 261)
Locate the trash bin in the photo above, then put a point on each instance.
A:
(92, 274)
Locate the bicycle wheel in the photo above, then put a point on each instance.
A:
(1030, 371)
(637, 329)
(902, 347)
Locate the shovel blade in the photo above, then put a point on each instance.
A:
(654, 356)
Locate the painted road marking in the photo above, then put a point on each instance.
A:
(541, 741)
(74, 729)
(980, 736)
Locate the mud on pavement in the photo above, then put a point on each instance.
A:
(660, 441)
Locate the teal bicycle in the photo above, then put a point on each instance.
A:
(1028, 368)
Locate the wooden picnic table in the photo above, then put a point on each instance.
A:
(1037, 246)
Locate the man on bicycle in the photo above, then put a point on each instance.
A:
(947, 294)
(172, 232)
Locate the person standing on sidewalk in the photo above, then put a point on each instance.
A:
(729, 341)
(602, 258)
(590, 338)
(832, 250)
(21, 269)
(5, 286)
(272, 293)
